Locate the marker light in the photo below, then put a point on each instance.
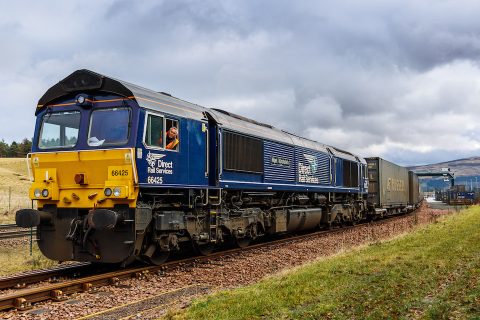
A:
(45, 193)
(37, 193)
(107, 192)
(117, 191)
(79, 178)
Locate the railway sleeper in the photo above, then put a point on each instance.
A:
(58, 295)
(22, 304)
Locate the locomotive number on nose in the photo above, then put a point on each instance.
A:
(119, 173)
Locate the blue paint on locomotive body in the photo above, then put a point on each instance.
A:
(338, 181)
(182, 168)
(279, 163)
(292, 168)
(313, 167)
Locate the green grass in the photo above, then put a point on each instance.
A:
(18, 258)
(432, 273)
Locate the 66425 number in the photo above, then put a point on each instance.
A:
(155, 180)
(119, 173)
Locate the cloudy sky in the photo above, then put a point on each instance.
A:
(397, 79)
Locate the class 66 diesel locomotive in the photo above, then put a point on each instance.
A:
(121, 173)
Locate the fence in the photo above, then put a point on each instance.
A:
(10, 201)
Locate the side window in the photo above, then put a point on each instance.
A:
(162, 133)
(154, 131)
(172, 132)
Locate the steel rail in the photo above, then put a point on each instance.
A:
(11, 231)
(8, 226)
(15, 234)
(22, 279)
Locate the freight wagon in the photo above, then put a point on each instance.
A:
(392, 188)
(414, 195)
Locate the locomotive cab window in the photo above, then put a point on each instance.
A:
(162, 133)
(59, 130)
(154, 131)
(109, 127)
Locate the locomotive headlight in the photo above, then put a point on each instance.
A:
(37, 193)
(45, 193)
(80, 99)
(83, 101)
(117, 191)
(107, 192)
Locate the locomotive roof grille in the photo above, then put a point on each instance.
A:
(233, 115)
(81, 81)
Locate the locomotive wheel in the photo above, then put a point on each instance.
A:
(242, 242)
(159, 257)
(204, 249)
(128, 261)
(156, 256)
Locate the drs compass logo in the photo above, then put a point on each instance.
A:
(152, 159)
(307, 171)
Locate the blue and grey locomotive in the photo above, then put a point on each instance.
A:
(121, 173)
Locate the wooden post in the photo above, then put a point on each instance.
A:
(9, 198)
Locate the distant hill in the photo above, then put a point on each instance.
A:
(461, 167)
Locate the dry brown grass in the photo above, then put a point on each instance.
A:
(14, 184)
(17, 258)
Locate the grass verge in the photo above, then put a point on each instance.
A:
(432, 273)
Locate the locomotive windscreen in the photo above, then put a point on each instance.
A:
(242, 153)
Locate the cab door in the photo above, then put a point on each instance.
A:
(198, 153)
(213, 151)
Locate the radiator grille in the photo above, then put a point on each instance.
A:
(242, 153)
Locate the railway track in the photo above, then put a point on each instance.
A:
(23, 298)
(12, 231)
(21, 280)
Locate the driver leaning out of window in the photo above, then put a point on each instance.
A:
(172, 139)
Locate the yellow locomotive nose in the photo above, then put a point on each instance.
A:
(84, 179)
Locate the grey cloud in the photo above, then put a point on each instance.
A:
(371, 77)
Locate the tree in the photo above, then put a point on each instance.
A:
(14, 150)
(4, 149)
(25, 147)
